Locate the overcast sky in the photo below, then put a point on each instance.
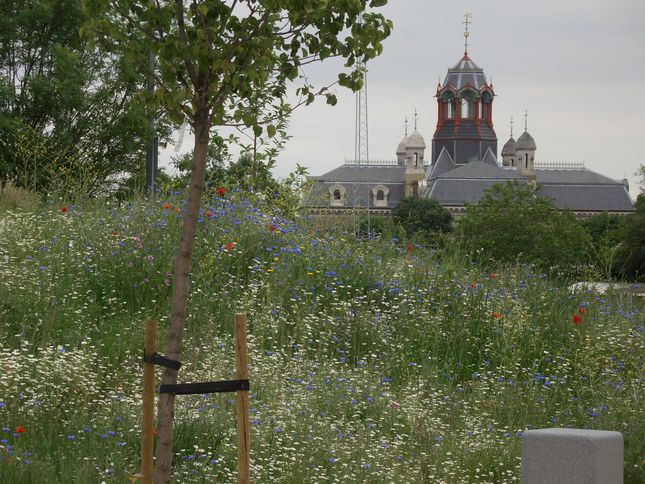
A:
(577, 66)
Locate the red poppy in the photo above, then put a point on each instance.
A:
(208, 213)
(20, 429)
(220, 191)
(582, 310)
(497, 315)
(229, 246)
(271, 228)
(166, 205)
(177, 210)
(493, 276)
(410, 248)
(64, 209)
(576, 318)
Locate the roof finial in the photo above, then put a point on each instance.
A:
(511, 126)
(467, 17)
(406, 126)
(526, 119)
(415, 119)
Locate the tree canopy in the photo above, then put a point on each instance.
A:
(69, 119)
(631, 251)
(512, 222)
(423, 216)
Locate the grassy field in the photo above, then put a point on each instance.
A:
(371, 360)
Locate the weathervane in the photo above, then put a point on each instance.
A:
(466, 22)
(415, 119)
(406, 126)
(526, 119)
(511, 126)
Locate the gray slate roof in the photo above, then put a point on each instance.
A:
(509, 147)
(467, 183)
(458, 192)
(359, 192)
(467, 129)
(465, 72)
(478, 170)
(573, 176)
(490, 158)
(364, 173)
(525, 142)
(443, 164)
(588, 198)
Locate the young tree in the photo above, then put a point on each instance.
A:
(511, 222)
(228, 62)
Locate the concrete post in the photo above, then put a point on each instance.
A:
(572, 456)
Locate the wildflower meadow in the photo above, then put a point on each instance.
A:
(371, 360)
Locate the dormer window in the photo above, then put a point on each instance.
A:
(337, 196)
(379, 195)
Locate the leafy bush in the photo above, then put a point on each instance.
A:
(511, 222)
(423, 216)
(380, 226)
(631, 253)
(605, 230)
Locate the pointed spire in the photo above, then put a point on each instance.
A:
(466, 22)
(406, 126)
(526, 119)
(511, 126)
(415, 119)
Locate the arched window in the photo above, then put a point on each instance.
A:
(526, 162)
(485, 104)
(449, 105)
(416, 160)
(337, 196)
(468, 105)
(379, 196)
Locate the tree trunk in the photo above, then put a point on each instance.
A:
(178, 308)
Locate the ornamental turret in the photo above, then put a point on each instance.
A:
(525, 148)
(465, 113)
(509, 153)
(414, 169)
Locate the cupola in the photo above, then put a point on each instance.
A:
(465, 112)
(525, 148)
(509, 152)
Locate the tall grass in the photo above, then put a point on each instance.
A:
(372, 360)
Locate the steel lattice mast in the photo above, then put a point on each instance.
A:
(361, 147)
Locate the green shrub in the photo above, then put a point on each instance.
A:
(511, 223)
(423, 216)
(631, 253)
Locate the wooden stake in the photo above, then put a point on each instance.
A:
(242, 400)
(147, 426)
